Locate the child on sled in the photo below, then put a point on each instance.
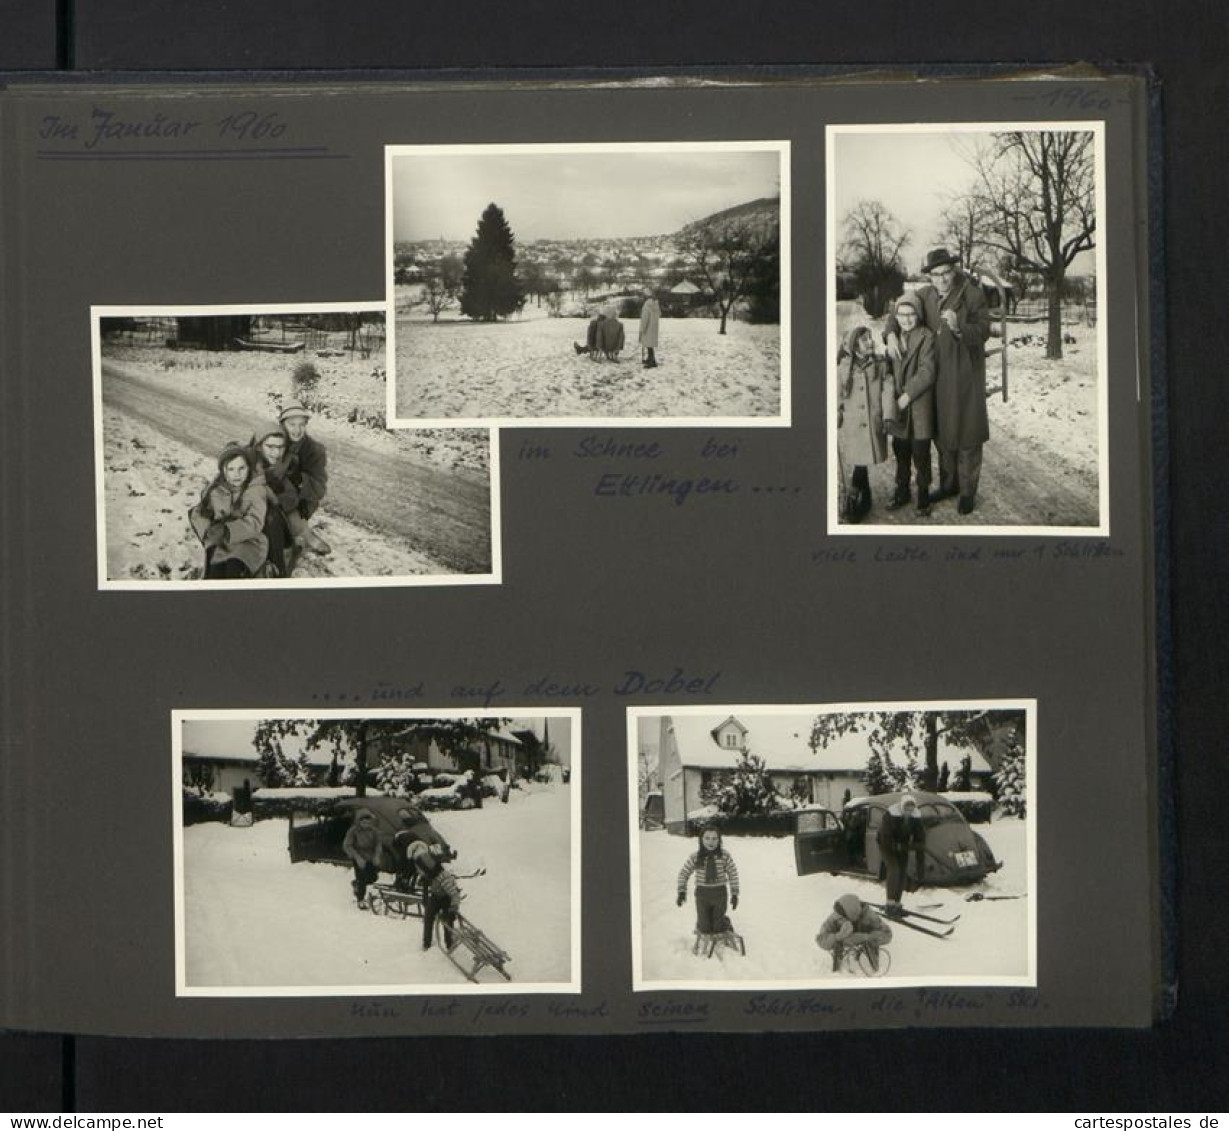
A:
(716, 884)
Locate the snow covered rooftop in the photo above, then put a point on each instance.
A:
(781, 740)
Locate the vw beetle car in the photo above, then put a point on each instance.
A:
(320, 838)
(954, 853)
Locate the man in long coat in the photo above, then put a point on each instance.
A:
(954, 308)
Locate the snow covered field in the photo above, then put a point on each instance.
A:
(402, 503)
(1041, 463)
(526, 368)
(780, 913)
(252, 922)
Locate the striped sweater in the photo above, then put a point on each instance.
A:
(725, 872)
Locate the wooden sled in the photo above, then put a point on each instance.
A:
(706, 945)
(857, 960)
(389, 899)
(469, 950)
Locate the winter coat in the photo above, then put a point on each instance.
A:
(308, 473)
(436, 878)
(244, 517)
(899, 835)
(853, 921)
(610, 335)
(860, 433)
(362, 843)
(724, 871)
(650, 316)
(960, 389)
(915, 374)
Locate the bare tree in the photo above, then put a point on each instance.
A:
(442, 288)
(1038, 190)
(962, 224)
(727, 257)
(872, 243)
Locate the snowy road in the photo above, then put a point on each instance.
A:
(445, 515)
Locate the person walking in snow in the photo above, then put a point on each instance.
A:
(441, 894)
(362, 846)
(650, 319)
(716, 884)
(853, 924)
(900, 833)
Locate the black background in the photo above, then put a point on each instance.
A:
(1182, 1064)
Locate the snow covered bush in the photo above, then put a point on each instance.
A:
(1009, 782)
(198, 807)
(745, 790)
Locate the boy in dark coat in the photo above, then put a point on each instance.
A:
(900, 833)
(307, 476)
(913, 374)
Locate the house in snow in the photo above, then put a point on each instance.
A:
(499, 750)
(224, 773)
(695, 751)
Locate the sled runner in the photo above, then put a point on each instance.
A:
(860, 959)
(707, 944)
(468, 949)
(389, 899)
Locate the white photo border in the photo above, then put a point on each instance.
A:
(182, 990)
(640, 984)
(106, 583)
(783, 417)
(832, 502)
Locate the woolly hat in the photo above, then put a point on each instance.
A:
(293, 408)
(850, 906)
(265, 431)
(232, 450)
(910, 300)
(907, 799)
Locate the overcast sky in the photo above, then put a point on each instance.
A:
(913, 175)
(574, 195)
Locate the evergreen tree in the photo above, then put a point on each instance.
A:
(964, 776)
(1009, 782)
(747, 789)
(875, 776)
(272, 766)
(944, 774)
(490, 288)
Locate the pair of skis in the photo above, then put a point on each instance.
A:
(917, 920)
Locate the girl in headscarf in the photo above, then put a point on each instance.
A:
(861, 439)
(230, 517)
(716, 884)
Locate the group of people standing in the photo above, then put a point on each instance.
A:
(253, 517)
(605, 337)
(927, 386)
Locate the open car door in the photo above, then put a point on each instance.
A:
(819, 842)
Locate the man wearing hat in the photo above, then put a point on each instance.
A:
(307, 475)
(954, 308)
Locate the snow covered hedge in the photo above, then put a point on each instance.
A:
(780, 823)
(210, 807)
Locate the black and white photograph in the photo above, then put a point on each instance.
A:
(967, 385)
(248, 447)
(838, 846)
(589, 283)
(416, 843)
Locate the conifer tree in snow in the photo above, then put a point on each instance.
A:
(490, 288)
(301, 772)
(875, 777)
(273, 768)
(747, 790)
(1009, 781)
(396, 774)
(944, 774)
(964, 776)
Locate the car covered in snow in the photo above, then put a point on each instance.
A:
(954, 854)
(319, 838)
